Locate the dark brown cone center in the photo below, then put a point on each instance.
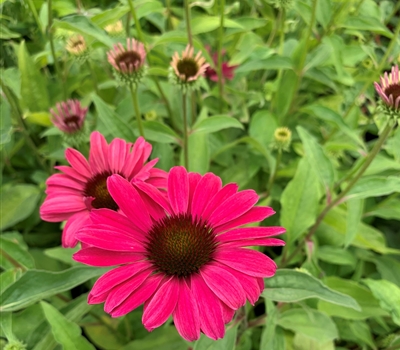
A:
(178, 246)
(97, 187)
(130, 58)
(72, 121)
(393, 90)
(187, 67)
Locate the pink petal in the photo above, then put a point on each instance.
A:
(98, 153)
(144, 172)
(225, 286)
(78, 162)
(155, 211)
(109, 238)
(226, 192)
(253, 215)
(186, 314)
(115, 277)
(129, 201)
(250, 262)
(138, 297)
(194, 179)
(261, 283)
(117, 155)
(74, 223)
(61, 208)
(227, 312)
(267, 242)
(207, 188)
(234, 207)
(65, 181)
(161, 305)
(250, 233)
(71, 172)
(99, 257)
(156, 195)
(211, 317)
(178, 189)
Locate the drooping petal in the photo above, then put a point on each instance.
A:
(186, 314)
(250, 233)
(206, 189)
(227, 312)
(161, 305)
(224, 285)
(74, 223)
(63, 180)
(178, 189)
(56, 209)
(250, 262)
(210, 312)
(264, 242)
(100, 257)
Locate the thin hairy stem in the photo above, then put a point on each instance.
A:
(185, 132)
(137, 111)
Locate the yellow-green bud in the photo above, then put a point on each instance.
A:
(15, 345)
(151, 115)
(282, 138)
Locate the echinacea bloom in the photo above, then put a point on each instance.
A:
(82, 187)
(128, 63)
(69, 116)
(185, 71)
(76, 45)
(389, 89)
(184, 254)
(227, 70)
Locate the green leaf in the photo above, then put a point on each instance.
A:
(159, 132)
(262, 127)
(355, 209)
(204, 24)
(216, 123)
(388, 295)
(6, 326)
(11, 249)
(6, 34)
(292, 286)
(336, 255)
(369, 24)
(362, 332)
(317, 158)
(369, 305)
(228, 342)
(8, 277)
(34, 95)
(66, 333)
(283, 101)
(6, 127)
(374, 186)
(36, 285)
(63, 254)
(148, 7)
(299, 201)
(109, 16)
(324, 12)
(302, 342)
(17, 203)
(83, 25)
(387, 209)
(271, 63)
(309, 322)
(389, 268)
(270, 335)
(166, 338)
(114, 124)
(199, 153)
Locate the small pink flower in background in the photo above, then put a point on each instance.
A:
(72, 194)
(389, 89)
(183, 254)
(188, 68)
(227, 70)
(127, 60)
(69, 116)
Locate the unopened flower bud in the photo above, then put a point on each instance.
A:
(151, 115)
(282, 138)
(76, 46)
(115, 30)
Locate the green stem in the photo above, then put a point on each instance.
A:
(188, 24)
(128, 25)
(273, 174)
(35, 15)
(282, 17)
(137, 24)
(94, 77)
(392, 14)
(137, 111)
(219, 53)
(18, 116)
(52, 48)
(185, 133)
(375, 150)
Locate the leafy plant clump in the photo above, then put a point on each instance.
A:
(298, 100)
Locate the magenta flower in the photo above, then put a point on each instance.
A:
(127, 60)
(227, 70)
(81, 187)
(69, 116)
(389, 89)
(183, 254)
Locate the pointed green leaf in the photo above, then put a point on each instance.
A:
(216, 123)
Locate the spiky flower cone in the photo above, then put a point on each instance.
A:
(77, 47)
(389, 92)
(282, 138)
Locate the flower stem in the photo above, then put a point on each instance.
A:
(219, 53)
(188, 25)
(339, 199)
(94, 77)
(35, 15)
(137, 111)
(185, 133)
(137, 24)
(52, 48)
(273, 174)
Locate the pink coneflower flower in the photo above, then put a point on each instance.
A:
(82, 186)
(69, 116)
(227, 70)
(128, 62)
(183, 255)
(389, 89)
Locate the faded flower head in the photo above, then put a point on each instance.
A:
(182, 254)
(128, 62)
(116, 29)
(76, 46)
(282, 138)
(186, 70)
(389, 91)
(227, 70)
(69, 116)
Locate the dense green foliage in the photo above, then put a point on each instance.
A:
(308, 66)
